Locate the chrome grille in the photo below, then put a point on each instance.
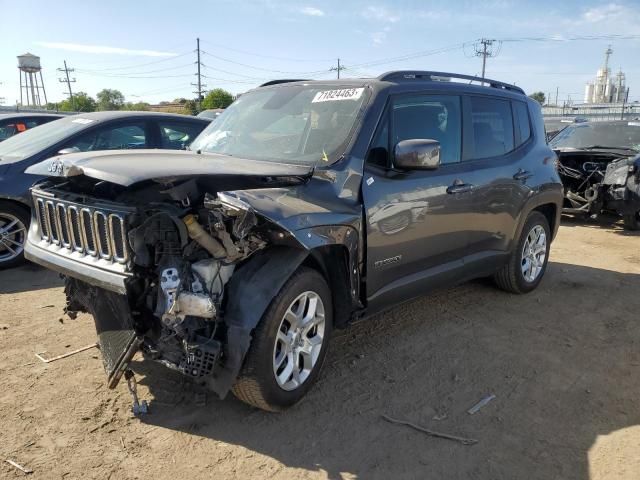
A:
(95, 232)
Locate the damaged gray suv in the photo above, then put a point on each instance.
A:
(306, 205)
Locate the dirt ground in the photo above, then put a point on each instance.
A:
(563, 363)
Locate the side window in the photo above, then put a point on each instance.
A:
(112, 138)
(521, 113)
(7, 129)
(433, 117)
(31, 122)
(492, 124)
(177, 135)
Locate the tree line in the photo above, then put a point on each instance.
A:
(111, 99)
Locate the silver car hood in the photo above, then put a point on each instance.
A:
(126, 167)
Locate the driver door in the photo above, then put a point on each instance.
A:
(416, 220)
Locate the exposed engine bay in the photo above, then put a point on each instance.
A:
(181, 250)
(593, 179)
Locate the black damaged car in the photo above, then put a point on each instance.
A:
(600, 169)
(304, 206)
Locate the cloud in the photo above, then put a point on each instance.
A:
(603, 12)
(312, 12)
(78, 47)
(620, 19)
(378, 38)
(378, 13)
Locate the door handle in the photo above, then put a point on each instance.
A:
(522, 175)
(459, 187)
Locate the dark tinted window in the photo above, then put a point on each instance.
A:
(379, 151)
(7, 129)
(178, 135)
(111, 138)
(432, 117)
(521, 112)
(492, 124)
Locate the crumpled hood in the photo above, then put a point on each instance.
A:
(126, 167)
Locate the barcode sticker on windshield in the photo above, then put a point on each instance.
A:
(83, 121)
(343, 94)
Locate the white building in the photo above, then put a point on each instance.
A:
(606, 88)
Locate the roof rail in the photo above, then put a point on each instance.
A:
(434, 76)
(283, 80)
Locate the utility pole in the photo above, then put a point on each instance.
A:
(338, 68)
(199, 85)
(624, 103)
(557, 90)
(485, 48)
(68, 81)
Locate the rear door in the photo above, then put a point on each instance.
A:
(416, 220)
(496, 139)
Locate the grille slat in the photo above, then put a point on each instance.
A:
(93, 232)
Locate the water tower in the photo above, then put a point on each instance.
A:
(30, 69)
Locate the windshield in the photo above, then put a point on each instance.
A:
(39, 138)
(582, 135)
(292, 124)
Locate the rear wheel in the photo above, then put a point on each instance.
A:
(528, 261)
(289, 344)
(632, 221)
(14, 221)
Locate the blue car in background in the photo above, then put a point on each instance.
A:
(77, 133)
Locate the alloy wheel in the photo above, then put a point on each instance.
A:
(12, 236)
(534, 253)
(299, 341)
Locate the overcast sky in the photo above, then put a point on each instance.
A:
(146, 48)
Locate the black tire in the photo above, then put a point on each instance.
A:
(632, 221)
(510, 277)
(24, 216)
(256, 385)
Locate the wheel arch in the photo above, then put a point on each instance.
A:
(15, 203)
(549, 204)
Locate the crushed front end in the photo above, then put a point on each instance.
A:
(151, 267)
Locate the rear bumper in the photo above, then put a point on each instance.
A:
(93, 275)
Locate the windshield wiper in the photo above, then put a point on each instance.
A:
(606, 147)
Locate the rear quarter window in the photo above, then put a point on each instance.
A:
(523, 123)
(492, 127)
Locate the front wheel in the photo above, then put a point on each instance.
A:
(289, 344)
(14, 222)
(528, 261)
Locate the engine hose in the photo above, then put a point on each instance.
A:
(204, 239)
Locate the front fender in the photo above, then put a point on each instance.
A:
(249, 293)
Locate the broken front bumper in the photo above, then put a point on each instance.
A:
(95, 274)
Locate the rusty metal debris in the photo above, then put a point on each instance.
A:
(138, 408)
(446, 436)
(480, 404)
(25, 470)
(64, 355)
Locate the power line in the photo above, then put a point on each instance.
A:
(260, 68)
(68, 81)
(271, 57)
(97, 72)
(137, 65)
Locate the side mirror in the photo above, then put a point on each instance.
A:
(417, 154)
(64, 151)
